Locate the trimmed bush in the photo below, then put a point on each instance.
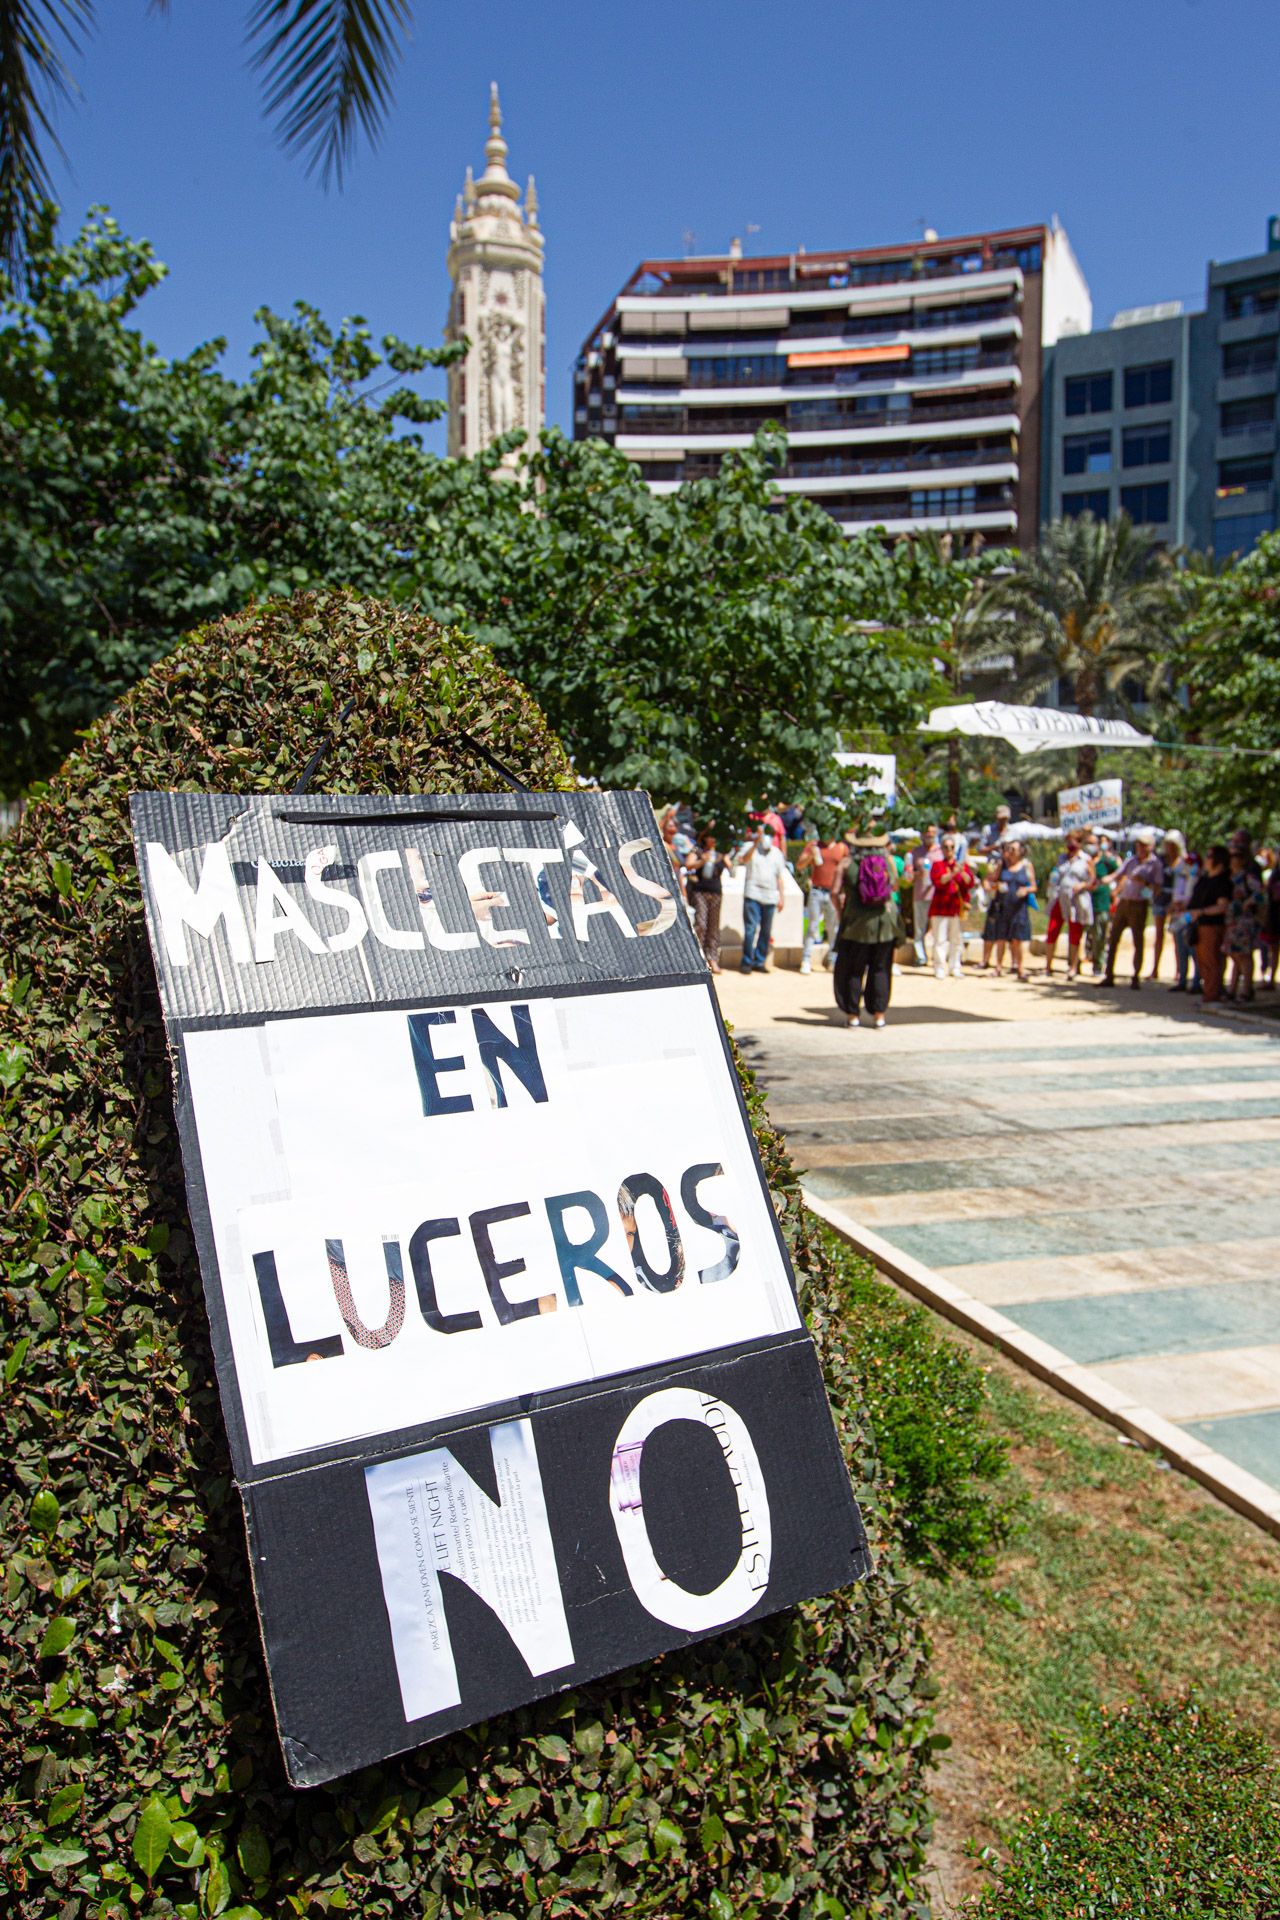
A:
(926, 1398)
(1175, 1812)
(775, 1770)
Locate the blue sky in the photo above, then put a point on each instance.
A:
(1148, 126)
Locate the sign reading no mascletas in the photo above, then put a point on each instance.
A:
(515, 1381)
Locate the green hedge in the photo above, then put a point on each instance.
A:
(926, 1398)
(1174, 1815)
(778, 1769)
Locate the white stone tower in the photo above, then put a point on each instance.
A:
(495, 264)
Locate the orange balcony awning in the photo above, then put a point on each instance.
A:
(848, 357)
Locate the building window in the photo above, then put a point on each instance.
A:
(1256, 296)
(1150, 386)
(1146, 446)
(1086, 453)
(1238, 416)
(939, 501)
(738, 370)
(1149, 505)
(1235, 475)
(1249, 356)
(1097, 503)
(1238, 533)
(1087, 393)
(944, 359)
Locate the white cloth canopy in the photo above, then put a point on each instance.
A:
(1032, 729)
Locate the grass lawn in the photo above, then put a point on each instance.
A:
(1121, 1575)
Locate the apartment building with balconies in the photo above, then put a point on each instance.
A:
(907, 379)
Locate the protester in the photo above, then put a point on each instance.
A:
(793, 820)
(1173, 851)
(1273, 921)
(993, 834)
(773, 820)
(953, 883)
(1105, 863)
(922, 890)
(870, 927)
(1071, 903)
(1208, 913)
(825, 860)
(1185, 875)
(705, 870)
(1246, 905)
(762, 895)
(962, 845)
(1133, 886)
(1008, 916)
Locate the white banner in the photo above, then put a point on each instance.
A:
(1101, 804)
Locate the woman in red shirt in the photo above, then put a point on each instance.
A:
(953, 883)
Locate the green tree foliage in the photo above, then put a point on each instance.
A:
(139, 496)
(1231, 663)
(1174, 1811)
(777, 1770)
(704, 643)
(1096, 603)
(945, 596)
(327, 67)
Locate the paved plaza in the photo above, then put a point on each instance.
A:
(1100, 1170)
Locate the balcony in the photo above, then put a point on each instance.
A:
(1241, 500)
(1244, 386)
(668, 421)
(1237, 443)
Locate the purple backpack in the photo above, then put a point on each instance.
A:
(873, 880)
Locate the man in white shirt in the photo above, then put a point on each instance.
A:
(763, 867)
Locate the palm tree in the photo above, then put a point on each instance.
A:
(326, 70)
(949, 595)
(1096, 603)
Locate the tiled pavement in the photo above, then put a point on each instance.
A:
(1101, 1168)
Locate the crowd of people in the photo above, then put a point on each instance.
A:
(1219, 909)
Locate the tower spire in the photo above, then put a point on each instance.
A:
(495, 179)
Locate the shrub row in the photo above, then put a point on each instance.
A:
(777, 1770)
(1174, 1811)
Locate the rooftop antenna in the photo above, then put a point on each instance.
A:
(690, 240)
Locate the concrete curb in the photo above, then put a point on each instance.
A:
(1230, 1483)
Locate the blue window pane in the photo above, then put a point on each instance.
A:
(1149, 505)
(1238, 533)
(1097, 503)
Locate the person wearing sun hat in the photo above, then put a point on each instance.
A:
(870, 928)
(1134, 886)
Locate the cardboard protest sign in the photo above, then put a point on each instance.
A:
(516, 1385)
(1100, 804)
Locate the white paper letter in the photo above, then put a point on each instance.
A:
(278, 913)
(213, 899)
(429, 1518)
(739, 1591)
(357, 926)
(485, 901)
(367, 871)
(667, 911)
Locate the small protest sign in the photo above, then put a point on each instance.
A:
(515, 1380)
(1100, 804)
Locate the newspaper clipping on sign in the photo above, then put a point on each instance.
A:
(1101, 804)
(517, 1389)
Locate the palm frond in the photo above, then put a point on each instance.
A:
(35, 36)
(327, 68)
